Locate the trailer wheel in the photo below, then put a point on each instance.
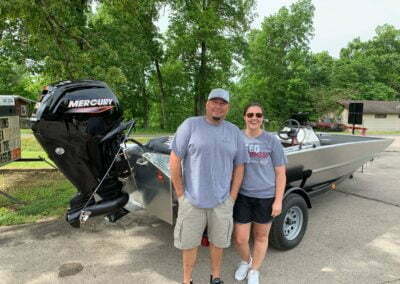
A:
(288, 228)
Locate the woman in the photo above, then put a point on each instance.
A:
(261, 194)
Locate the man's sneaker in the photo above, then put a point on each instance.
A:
(243, 268)
(215, 280)
(253, 277)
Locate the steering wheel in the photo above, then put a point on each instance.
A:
(289, 130)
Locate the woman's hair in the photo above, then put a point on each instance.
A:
(251, 105)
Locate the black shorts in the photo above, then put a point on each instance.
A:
(251, 209)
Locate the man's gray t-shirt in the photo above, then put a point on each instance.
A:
(266, 153)
(209, 153)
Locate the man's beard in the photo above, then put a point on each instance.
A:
(216, 118)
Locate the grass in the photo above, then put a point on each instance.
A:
(378, 132)
(45, 194)
(151, 131)
(26, 131)
(30, 149)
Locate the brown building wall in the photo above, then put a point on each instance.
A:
(22, 108)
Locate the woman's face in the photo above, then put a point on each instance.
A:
(253, 118)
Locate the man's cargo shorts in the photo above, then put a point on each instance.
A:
(192, 221)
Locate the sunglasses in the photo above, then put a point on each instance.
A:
(257, 114)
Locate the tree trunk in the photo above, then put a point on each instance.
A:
(145, 102)
(163, 121)
(201, 90)
(201, 94)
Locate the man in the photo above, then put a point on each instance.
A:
(212, 154)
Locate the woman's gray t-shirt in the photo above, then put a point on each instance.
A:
(266, 153)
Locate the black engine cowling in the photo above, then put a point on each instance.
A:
(79, 125)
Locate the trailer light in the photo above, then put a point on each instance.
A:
(160, 176)
(59, 151)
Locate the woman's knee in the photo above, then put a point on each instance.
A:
(241, 239)
(260, 236)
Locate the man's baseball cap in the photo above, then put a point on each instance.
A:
(220, 94)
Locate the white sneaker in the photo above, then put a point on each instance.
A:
(253, 277)
(243, 268)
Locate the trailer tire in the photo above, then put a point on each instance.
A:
(289, 227)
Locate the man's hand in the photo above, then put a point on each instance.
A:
(233, 196)
(176, 174)
(276, 208)
(237, 178)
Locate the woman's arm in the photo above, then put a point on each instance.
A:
(280, 183)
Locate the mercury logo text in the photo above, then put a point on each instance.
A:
(90, 103)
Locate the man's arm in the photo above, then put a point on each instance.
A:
(237, 178)
(176, 174)
(280, 183)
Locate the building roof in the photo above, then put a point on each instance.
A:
(379, 107)
(21, 98)
(24, 99)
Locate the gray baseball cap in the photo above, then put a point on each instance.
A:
(220, 94)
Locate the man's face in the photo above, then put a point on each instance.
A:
(216, 109)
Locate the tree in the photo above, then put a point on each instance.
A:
(51, 34)
(126, 31)
(207, 38)
(372, 68)
(276, 69)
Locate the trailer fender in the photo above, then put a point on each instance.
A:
(301, 192)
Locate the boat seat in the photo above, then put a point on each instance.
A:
(160, 145)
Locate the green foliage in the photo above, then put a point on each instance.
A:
(371, 68)
(277, 67)
(207, 37)
(162, 79)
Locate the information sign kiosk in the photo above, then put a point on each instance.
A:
(10, 134)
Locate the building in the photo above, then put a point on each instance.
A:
(23, 108)
(10, 134)
(377, 115)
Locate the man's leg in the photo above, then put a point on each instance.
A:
(220, 225)
(188, 232)
(189, 259)
(216, 259)
(241, 237)
(260, 236)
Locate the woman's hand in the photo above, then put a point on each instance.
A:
(276, 208)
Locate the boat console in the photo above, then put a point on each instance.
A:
(293, 133)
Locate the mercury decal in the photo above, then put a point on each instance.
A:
(90, 103)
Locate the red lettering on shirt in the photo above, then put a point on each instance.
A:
(260, 155)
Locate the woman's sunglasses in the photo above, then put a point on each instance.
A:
(257, 114)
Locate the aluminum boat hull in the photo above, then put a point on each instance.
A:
(338, 156)
(309, 166)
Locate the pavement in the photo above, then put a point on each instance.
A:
(353, 236)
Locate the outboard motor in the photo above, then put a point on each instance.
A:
(79, 125)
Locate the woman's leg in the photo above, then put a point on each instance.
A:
(241, 237)
(260, 236)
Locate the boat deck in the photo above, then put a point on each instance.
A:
(333, 139)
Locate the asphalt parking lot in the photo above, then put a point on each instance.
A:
(353, 236)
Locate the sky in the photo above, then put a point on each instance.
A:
(336, 22)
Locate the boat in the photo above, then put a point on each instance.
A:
(79, 124)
